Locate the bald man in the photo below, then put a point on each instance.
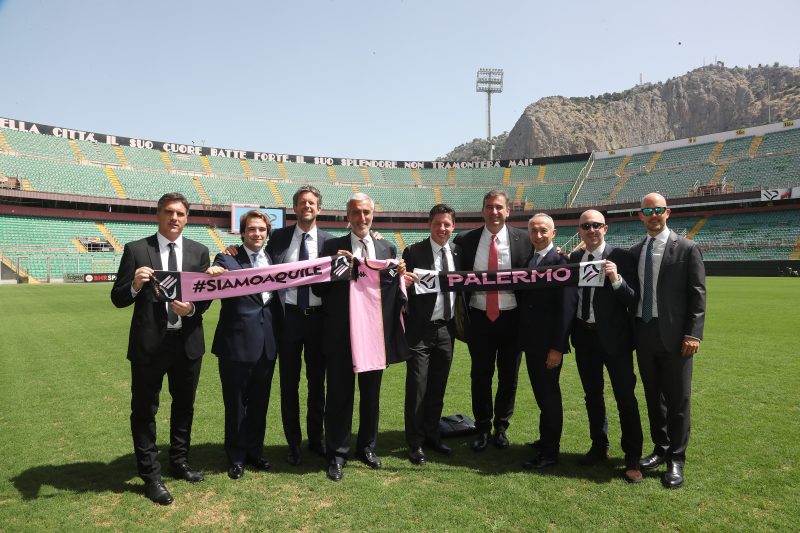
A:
(669, 327)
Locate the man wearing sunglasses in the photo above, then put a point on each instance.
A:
(602, 336)
(669, 327)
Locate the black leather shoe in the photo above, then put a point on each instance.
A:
(416, 456)
(480, 444)
(673, 477)
(335, 471)
(370, 459)
(318, 448)
(236, 470)
(295, 457)
(535, 444)
(500, 440)
(539, 462)
(594, 456)
(259, 463)
(651, 462)
(158, 493)
(187, 473)
(439, 447)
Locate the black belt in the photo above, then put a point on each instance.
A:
(439, 323)
(586, 325)
(305, 312)
(173, 331)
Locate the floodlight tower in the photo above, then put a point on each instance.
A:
(490, 80)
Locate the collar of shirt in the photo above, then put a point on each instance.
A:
(260, 253)
(163, 242)
(502, 235)
(355, 241)
(597, 253)
(437, 248)
(662, 237)
(312, 234)
(544, 252)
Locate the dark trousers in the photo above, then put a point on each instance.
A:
(339, 406)
(146, 380)
(302, 335)
(591, 357)
(245, 393)
(547, 391)
(426, 380)
(667, 380)
(493, 343)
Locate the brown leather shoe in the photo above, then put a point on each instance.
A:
(633, 475)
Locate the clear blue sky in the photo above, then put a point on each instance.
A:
(379, 79)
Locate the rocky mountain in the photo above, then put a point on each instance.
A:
(706, 100)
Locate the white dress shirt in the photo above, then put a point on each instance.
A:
(355, 243)
(261, 261)
(293, 254)
(659, 246)
(438, 308)
(597, 254)
(506, 298)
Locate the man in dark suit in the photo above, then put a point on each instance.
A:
(336, 348)
(669, 328)
(430, 334)
(545, 321)
(603, 336)
(301, 330)
(245, 344)
(494, 318)
(165, 338)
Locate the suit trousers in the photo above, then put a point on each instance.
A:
(493, 343)
(667, 380)
(146, 381)
(426, 380)
(339, 406)
(591, 357)
(245, 393)
(547, 391)
(301, 335)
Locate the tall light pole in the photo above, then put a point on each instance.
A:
(490, 80)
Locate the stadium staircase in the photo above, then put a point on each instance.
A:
(621, 168)
(712, 158)
(700, 223)
(519, 194)
(620, 184)
(25, 184)
(276, 193)
(437, 195)
(652, 163)
(206, 164)
(216, 237)
(167, 161)
(332, 173)
(719, 173)
(200, 189)
(246, 167)
(451, 176)
(540, 176)
(4, 146)
(507, 176)
(121, 156)
(112, 177)
(76, 149)
(109, 236)
(282, 170)
(401, 243)
(795, 254)
(417, 177)
(365, 175)
(79, 246)
(751, 152)
(21, 272)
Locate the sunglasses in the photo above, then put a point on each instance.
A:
(647, 211)
(593, 225)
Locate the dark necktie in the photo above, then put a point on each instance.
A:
(493, 297)
(446, 296)
(302, 292)
(172, 266)
(536, 258)
(256, 263)
(364, 249)
(586, 298)
(647, 290)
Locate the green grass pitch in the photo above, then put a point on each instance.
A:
(66, 461)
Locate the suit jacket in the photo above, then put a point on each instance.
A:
(149, 320)
(420, 306)
(336, 296)
(614, 309)
(278, 246)
(680, 290)
(546, 315)
(519, 244)
(245, 328)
